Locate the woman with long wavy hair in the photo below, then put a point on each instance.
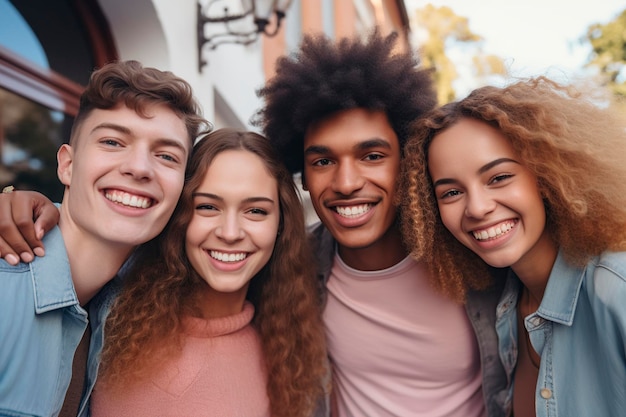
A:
(531, 178)
(219, 315)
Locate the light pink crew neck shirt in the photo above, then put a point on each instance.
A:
(221, 373)
(397, 347)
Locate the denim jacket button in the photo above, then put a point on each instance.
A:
(545, 393)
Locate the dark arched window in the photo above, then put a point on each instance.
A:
(47, 52)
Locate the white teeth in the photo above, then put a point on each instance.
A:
(493, 232)
(127, 199)
(228, 257)
(354, 210)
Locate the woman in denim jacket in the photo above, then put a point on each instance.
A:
(531, 177)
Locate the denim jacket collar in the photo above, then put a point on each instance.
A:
(561, 295)
(52, 294)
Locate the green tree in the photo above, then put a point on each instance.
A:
(608, 43)
(438, 30)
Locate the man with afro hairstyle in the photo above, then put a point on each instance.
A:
(340, 113)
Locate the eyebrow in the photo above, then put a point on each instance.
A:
(112, 126)
(373, 143)
(482, 170)
(364, 145)
(127, 131)
(495, 162)
(247, 200)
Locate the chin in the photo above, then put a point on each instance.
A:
(497, 262)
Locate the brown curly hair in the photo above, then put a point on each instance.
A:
(144, 327)
(573, 145)
(136, 86)
(325, 76)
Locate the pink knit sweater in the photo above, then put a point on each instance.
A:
(221, 372)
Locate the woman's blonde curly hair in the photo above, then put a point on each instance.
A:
(575, 146)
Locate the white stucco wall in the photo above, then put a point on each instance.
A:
(162, 34)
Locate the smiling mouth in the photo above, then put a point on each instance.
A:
(228, 257)
(494, 232)
(353, 211)
(129, 200)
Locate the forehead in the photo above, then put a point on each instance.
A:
(470, 139)
(239, 172)
(347, 128)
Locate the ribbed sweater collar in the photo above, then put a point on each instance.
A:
(199, 327)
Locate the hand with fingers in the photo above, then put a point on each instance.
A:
(25, 216)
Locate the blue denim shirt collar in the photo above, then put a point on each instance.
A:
(561, 294)
(52, 294)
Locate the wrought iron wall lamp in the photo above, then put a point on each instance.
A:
(236, 21)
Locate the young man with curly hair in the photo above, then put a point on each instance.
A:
(339, 113)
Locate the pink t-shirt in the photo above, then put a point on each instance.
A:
(397, 347)
(221, 373)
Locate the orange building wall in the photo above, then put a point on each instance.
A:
(345, 16)
(389, 15)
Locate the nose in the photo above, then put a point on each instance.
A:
(478, 204)
(138, 163)
(230, 229)
(347, 179)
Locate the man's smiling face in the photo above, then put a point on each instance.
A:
(351, 164)
(126, 171)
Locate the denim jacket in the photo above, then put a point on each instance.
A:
(481, 310)
(41, 324)
(579, 331)
(99, 309)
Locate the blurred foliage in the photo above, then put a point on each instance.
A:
(608, 43)
(440, 29)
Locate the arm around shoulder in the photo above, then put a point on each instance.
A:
(25, 216)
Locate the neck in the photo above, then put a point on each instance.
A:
(93, 262)
(386, 252)
(528, 303)
(535, 267)
(210, 304)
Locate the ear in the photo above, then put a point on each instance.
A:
(65, 157)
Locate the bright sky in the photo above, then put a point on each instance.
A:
(534, 37)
